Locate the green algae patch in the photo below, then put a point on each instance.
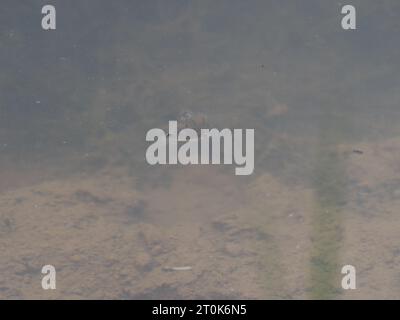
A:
(329, 182)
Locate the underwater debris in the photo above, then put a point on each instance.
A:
(183, 268)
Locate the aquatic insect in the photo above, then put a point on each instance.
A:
(196, 121)
(188, 142)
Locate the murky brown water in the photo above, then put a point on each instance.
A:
(76, 192)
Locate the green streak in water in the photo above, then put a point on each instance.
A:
(330, 193)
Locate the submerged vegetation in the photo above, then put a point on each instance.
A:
(330, 184)
(86, 95)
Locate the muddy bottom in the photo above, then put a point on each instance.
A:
(203, 235)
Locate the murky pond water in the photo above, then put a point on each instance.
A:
(77, 193)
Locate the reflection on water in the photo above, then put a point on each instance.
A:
(76, 192)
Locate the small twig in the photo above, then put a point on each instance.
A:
(184, 268)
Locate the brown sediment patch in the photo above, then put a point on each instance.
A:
(196, 194)
(373, 221)
(83, 225)
(284, 213)
(247, 239)
(107, 239)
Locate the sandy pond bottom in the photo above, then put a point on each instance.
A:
(110, 239)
